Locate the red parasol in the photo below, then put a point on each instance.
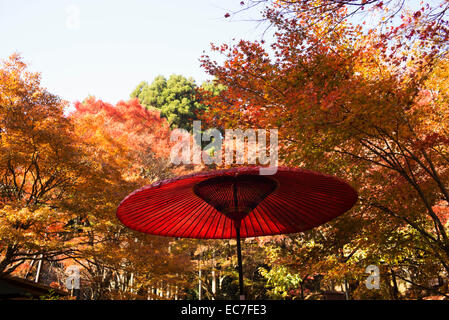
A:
(236, 203)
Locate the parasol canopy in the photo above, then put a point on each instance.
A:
(207, 204)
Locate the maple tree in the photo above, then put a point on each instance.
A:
(360, 105)
(40, 165)
(130, 147)
(62, 178)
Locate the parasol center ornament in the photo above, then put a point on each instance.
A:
(235, 195)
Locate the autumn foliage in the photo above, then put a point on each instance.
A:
(365, 105)
(62, 179)
(368, 103)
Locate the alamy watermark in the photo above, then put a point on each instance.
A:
(72, 21)
(73, 279)
(373, 280)
(249, 146)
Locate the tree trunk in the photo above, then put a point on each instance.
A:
(395, 289)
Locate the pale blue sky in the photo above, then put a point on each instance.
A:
(117, 44)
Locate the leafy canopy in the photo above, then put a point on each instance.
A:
(176, 99)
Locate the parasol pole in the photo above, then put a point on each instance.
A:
(239, 248)
(239, 258)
